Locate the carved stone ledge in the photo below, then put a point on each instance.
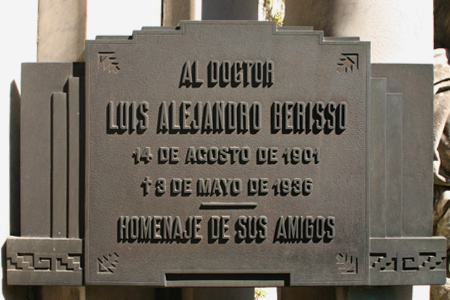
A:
(44, 261)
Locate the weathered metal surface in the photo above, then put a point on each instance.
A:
(59, 165)
(271, 187)
(73, 165)
(377, 157)
(415, 82)
(394, 164)
(39, 81)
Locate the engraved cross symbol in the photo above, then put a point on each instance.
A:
(146, 185)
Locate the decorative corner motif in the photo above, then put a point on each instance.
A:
(348, 63)
(107, 263)
(407, 262)
(108, 61)
(348, 264)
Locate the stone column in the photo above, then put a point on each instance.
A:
(374, 293)
(218, 293)
(61, 30)
(400, 31)
(176, 10)
(230, 10)
(62, 292)
(123, 292)
(306, 292)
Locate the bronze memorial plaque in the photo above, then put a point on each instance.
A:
(226, 153)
